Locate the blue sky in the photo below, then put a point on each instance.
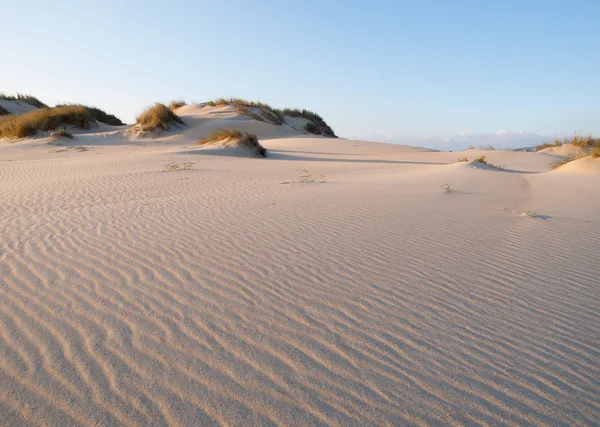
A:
(448, 73)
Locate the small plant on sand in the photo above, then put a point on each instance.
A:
(45, 119)
(175, 104)
(158, 118)
(463, 159)
(481, 160)
(446, 188)
(178, 167)
(235, 137)
(305, 176)
(61, 133)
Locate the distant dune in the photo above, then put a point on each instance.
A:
(149, 280)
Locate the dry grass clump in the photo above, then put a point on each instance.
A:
(321, 125)
(158, 117)
(45, 119)
(4, 111)
(28, 99)
(61, 133)
(235, 137)
(98, 114)
(586, 141)
(255, 109)
(176, 103)
(265, 113)
(464, 159)
(481, 160)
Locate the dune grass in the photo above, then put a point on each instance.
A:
(98, 114)
(586, 141)
(176, 103)
(45, 119)
(235, 137)
(158, 117)
(320, 124)
(255, 109)
(265, 113)
(28, 99)
(310, 127)
(61, 133)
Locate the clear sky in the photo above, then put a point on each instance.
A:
(443, 70)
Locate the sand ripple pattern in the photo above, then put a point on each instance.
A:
(130, 295)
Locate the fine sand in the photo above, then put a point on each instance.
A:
(154, 282)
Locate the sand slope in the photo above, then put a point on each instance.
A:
(235, 293)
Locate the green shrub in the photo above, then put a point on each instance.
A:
(158, 117)
(310, 127)
(45, 119)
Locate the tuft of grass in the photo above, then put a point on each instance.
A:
(317, 120)
(596, 152)
(178, 167)
(28, 99)
(235, 137)
(481, 160)
(255, 109)
(45, 119)
(463, 159)
(586, 141)
(98, 114)
(312, 128)
(4, 111)
(177, 103)
(158, 117)
(61, 133)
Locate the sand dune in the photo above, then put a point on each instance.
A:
(237, 292)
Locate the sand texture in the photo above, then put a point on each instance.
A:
(391, 286)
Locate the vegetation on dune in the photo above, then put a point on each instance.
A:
(590, 145)
(98, 114)
(312, 128)
(235, 137)
(268, 114)
(262, 112)
(176, 103)
(321, 125)
(28, 99)
(45, 119)
(587, 141)
(4, 111)
(158, 117)
(61, 133)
